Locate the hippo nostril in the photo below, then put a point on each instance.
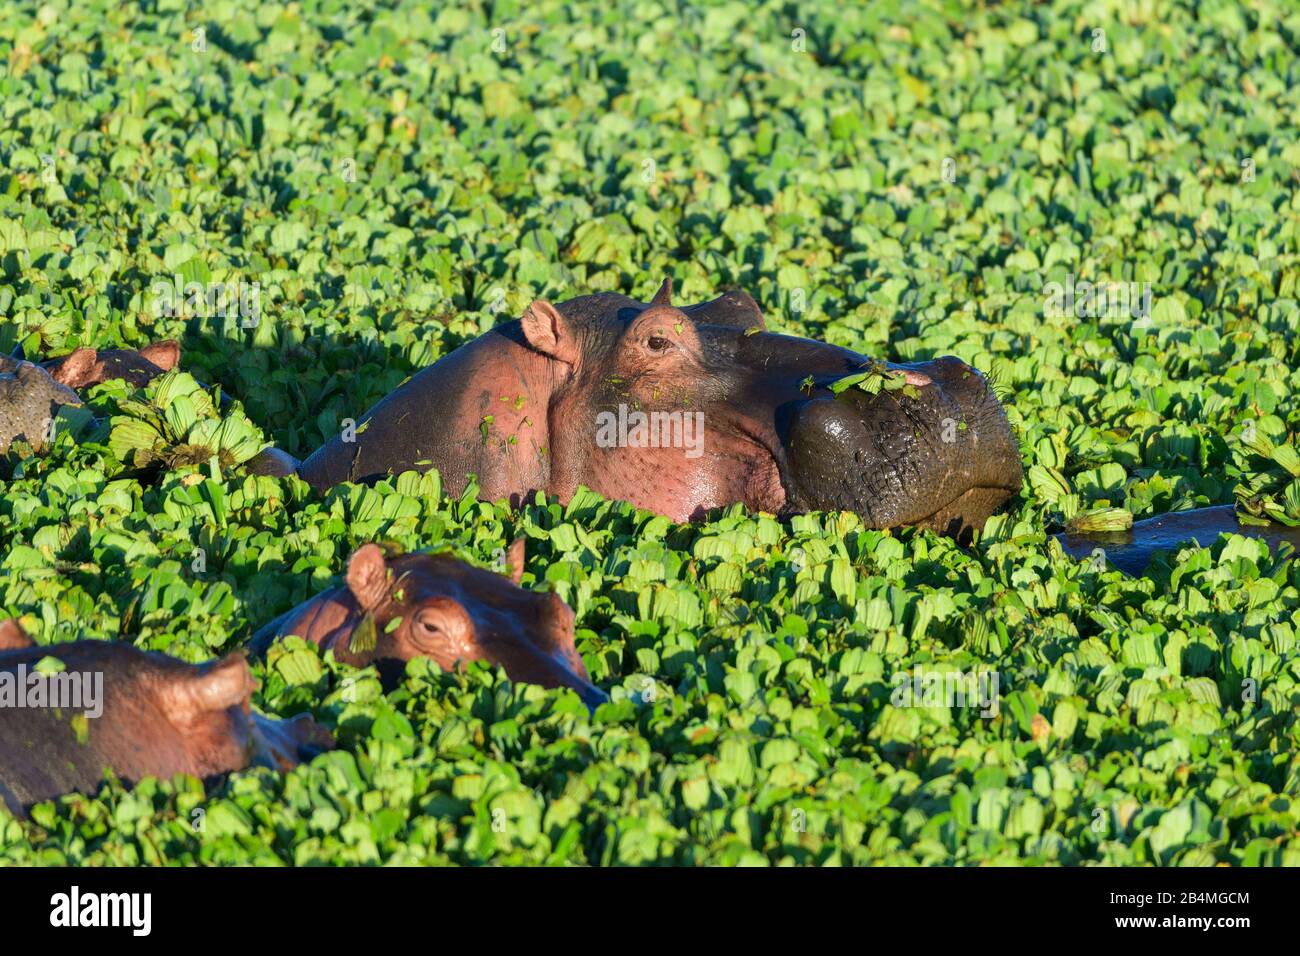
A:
(951, 371)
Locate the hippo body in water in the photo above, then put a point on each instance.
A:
(394, 608)
(136, 713)
(1130, 551)
(29, 401)
(681, 410)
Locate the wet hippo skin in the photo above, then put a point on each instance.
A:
(87, 366)
(1130, 551)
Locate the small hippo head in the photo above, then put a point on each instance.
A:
(211, 706)
(437, 606)
(87, 366)
(151, 715)
(680, 410)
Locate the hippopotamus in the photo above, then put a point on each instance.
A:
(1130, 551)
(31, 392)
(87, 366)
(29, 401)
(136, 713)
(680, 410)
(393, 608)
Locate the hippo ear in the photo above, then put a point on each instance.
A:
(665, 294)
(546, 330)
(13, 637)
(735, 309)
(165, 354)
(515, 559)
(207, 689)
(368, 576)
(76, 370)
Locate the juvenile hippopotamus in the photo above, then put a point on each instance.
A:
(681, 410)
(87, 366)
(392, 609)
(136, 713)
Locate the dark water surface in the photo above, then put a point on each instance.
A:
(1131, 550)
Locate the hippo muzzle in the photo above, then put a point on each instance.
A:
(941, 456)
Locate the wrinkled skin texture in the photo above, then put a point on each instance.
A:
(871, 453)
(161, 716)
(29, 400)
(87, 366)
(445, 610)
(521, 407)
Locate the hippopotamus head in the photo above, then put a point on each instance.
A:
(679, 410)
(87, 366)
(397, 607)
(147, 715)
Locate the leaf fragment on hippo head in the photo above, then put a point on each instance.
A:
(80, 728)
(844, 384)
(49, 665)
(364, 638)
(875, 375)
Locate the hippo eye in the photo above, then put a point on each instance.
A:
(428, 632)
(657, 343)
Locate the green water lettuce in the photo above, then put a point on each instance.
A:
(318, 200)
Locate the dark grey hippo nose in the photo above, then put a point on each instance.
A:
(940, 455)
